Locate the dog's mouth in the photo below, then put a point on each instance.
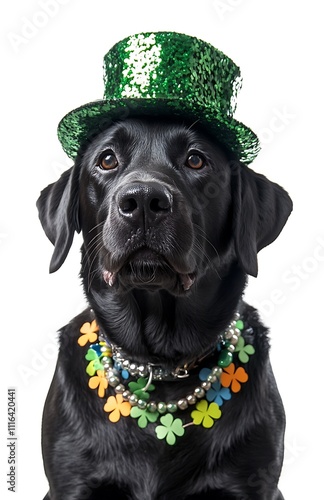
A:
(147, 269)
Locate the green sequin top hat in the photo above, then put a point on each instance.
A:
(165, 74)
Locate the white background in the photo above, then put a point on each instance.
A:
(51, 63)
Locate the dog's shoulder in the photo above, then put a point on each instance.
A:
(255, 332)
(70, 332)
(76, 336)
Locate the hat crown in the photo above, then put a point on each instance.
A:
(165, 74)
(169, 66)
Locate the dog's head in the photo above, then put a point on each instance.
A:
(160, 205)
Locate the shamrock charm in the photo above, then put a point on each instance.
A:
(169, 429)
(94, 364)
(99, 381)
(116, 406)
(206, 414)
(88, 333)
(138, 386)
(218, 394)
(144, 416)
(233, 378)
(245, 351)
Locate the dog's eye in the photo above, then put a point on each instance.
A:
(108, 161)
(195, 161)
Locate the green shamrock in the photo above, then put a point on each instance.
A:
(206, 414)
(245, 351)
(144, 416)
(239, 324)
(169, 429)
(94, 364)
(138, 386)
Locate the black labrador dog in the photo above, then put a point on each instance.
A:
(163, 387)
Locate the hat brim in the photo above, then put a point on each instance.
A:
(82, 125)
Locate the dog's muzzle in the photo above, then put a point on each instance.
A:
(148, 238)
(144, 204)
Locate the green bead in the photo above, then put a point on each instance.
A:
(172, 407)
(225, 358)
(161, 407)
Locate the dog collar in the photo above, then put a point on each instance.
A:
(133, 388)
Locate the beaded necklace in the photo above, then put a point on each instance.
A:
(133, 387)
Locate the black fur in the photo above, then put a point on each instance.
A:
(176, 244)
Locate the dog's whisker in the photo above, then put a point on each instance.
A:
(200, 251)
(204, 235)
(93, 250)
(93, 241)
(92, 258)
(100, 224)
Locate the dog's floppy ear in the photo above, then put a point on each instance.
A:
(260, 211)
(58, 207)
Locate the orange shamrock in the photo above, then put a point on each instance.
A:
(99, 381)
(116, 406)
(232, 377)
(89, 333)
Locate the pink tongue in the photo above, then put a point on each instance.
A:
(186, 281)
(109, 277)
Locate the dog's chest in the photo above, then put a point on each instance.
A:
(145, 466)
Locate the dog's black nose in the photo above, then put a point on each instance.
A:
(147, 201)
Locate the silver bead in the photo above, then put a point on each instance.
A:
(191, 399)
(142, 370)
(126, 395)
(133, 369)
(231, 348)
(151, 407)
(172, 406)
(113, 380)
(133, 399)
(125, 364)
(161, 407)
(229, 333)
(236, 316)
(119, 389)
(182, 404)
(199, 392)
(217, 371)
(234, 339)
(142, 404)
(205, 385)
(212, 378)
(237, 332)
